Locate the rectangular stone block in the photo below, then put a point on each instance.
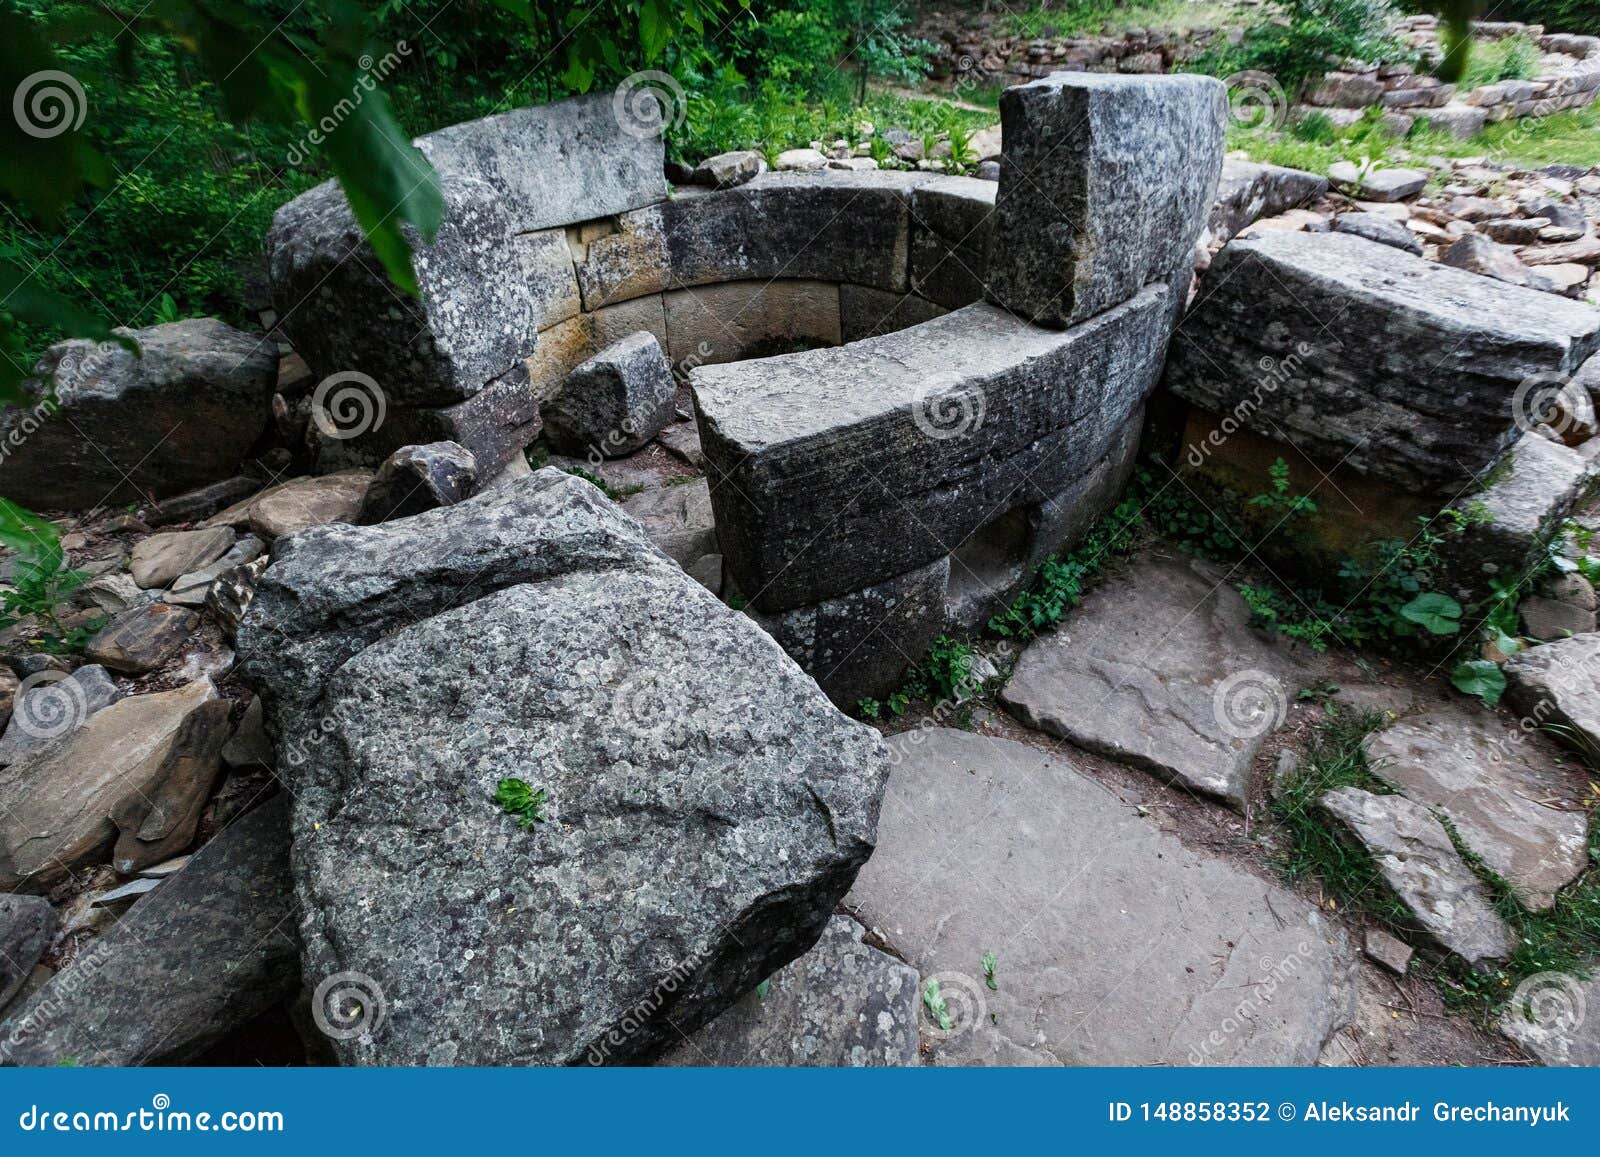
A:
(865, 312)
(745, 319)
(952, 221)
(563, 347)
(826, 225)
(834, 470)
(1105, 185)
(621, 258)
(1361, 354)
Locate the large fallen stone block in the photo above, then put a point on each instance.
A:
(1105, 185)
(702, 808)
(843, 1004)
(837, 469)
(56, 806)
(418, 478)
(27, 924)
(613, 403)
(1358, 353)
(120, 427)
(1115, 943)
(210, 949)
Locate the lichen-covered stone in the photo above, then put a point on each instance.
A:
(613, 403)
(952, 222)
(706, 808)
(1105, 185)
(182, 414)
(418, 478)
(1398, 367)
(837, 469)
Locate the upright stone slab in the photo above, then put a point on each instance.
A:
(952, 224)
(1359, 353)
(704, 808)
(1105, 185)
(834, 470)
(615, 402)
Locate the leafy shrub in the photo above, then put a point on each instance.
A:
(1580, 16)
(1312, 37)
(1509, 58)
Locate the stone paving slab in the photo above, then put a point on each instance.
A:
(1115, 944)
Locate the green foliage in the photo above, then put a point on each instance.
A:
(1436, 613)
(40, 582)
(1581, 16)
(989, 962)
(1479, 677)
(1509, 58)
(517, 798)
(1311, 37)
(1279, 499)
(935, 1002)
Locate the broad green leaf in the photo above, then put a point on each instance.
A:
(1436, 613)
(1480, 677)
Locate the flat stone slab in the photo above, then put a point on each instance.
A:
(1400, 367)
(1160, 670)
(833, 470)
(28, 922)
(1378, 184)
(1415, 856)
(1247, 192)
(843, 1004)
(1511, 803)
(1114, 943)
(678, 519)
(1556, 1019)
(1559, 683)
(1105, 185)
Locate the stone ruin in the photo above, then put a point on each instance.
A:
(983, 357)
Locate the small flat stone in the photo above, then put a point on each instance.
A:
(144, 638)
(51, 707)
(799, 160)
(1510, 803)
(678, 519)
(1383, 230)
(1390, 951)
(308, 502)
(1417, 860)
(1551, 619)
(1477, 254)
(843, 1004)
(132, 890)
(1556, 683)
(190, 589)
(159, 559)
(1378, 184)
(166, 868)
(683, 440)
(1162, 671)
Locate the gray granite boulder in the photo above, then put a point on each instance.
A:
(418, 478)
(206, 952)
(615, 402)
(183, 414)
(26, 925)
(726, 170)
(833, 470)
(1513, 805)
(1414, 855)
(843, 1004)
(1160, 669)
(1399, 367)
(1105, 186)
(704, 807)
(1559, 683)
(1115, 943)
(952, 225)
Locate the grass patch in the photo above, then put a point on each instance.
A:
(1087, 17)
(1509, 58)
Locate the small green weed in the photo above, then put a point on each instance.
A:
(517, 798)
